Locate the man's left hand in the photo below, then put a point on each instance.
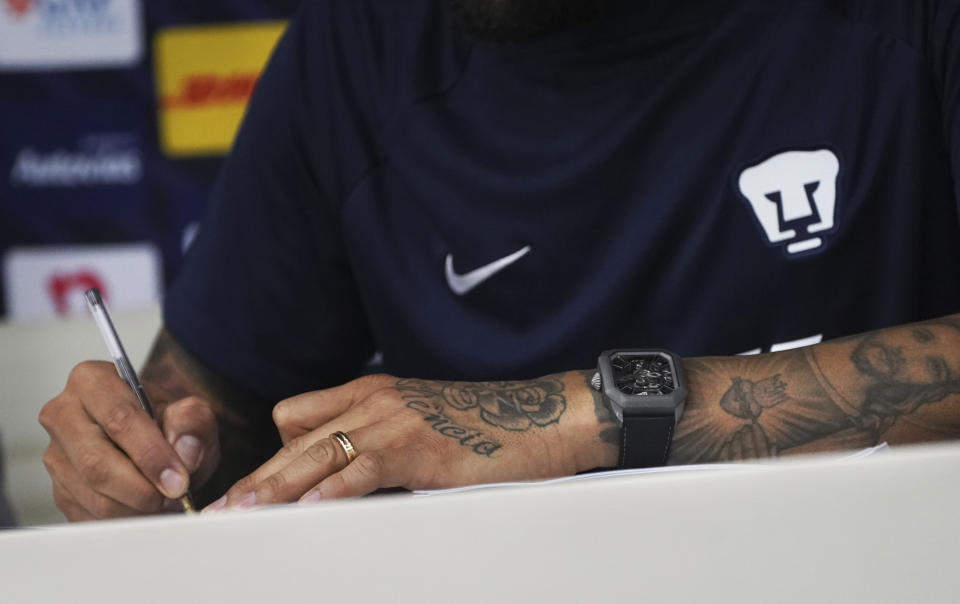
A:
(424, 434)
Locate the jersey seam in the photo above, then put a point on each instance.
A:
(915, 49)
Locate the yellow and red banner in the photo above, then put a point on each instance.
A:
(205, 76)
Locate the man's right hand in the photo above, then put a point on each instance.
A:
(107, 458)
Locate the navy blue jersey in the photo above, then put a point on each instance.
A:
(708, 176)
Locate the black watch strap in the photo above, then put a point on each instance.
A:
(646, 441)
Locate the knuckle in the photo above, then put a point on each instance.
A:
(151, 457)
(65, 503)
(80, 371)
(49, 414)
(368, 380)
(50, 460)
(320, 452)
(92, 469)
(194, 401)
(281, 414)
(271, 488)
(192, 406)
(369, 465)
(297, 446)
(376, 380)
(102, 507)
(119, 419)
(85, 372)
(147, 500)
(244, 485)
(60, 497)
(381, 397)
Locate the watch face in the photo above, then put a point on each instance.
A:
(643, 374)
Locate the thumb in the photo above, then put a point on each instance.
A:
(190, 425)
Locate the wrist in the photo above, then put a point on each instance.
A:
(591, 433)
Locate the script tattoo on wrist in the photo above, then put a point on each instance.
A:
(788, 402)
(513, 406)
(438, 420)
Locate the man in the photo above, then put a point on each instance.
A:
(502, 189)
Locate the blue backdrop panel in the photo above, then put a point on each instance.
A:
(79, 155)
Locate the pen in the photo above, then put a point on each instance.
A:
(99, 311)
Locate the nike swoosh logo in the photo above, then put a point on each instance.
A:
(463, 284)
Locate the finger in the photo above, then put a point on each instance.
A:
(369, 471)
(138, 435)
(90, 467)
(291, 451)
(72, 510)
(73, 494)
(190, 426)
(301, 414)
(318, 461)
(285, 456)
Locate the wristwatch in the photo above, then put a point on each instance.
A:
(645, 390)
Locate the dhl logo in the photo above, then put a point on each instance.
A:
(205, 77)
(207, 89)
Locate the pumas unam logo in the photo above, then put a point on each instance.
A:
(793, 196)
(205, 77)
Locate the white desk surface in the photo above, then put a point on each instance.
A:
(880, 529)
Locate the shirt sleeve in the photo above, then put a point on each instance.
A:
(266, 296)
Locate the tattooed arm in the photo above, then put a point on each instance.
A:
(897, 385)
(108, 459)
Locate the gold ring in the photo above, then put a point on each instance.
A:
(341, 439)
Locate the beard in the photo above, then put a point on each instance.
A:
(510, 21)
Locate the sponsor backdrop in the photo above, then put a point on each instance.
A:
(114, 118)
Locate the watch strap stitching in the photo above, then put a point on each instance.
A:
(623, 447)
(666, 446)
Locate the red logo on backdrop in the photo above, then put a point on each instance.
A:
(60, 286)
(19, 7)
(203, 90)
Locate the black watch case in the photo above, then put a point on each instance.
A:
(643, 383)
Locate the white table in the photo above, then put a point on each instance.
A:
(880, 529)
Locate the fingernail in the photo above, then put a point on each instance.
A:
(216, 505)
(244, 502)
(190, 451)
(174, 483)
(311, 497)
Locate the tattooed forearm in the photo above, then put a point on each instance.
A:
(891, 385)
(178, 374)
(438, 420)
(247, 436)
(513, 406)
